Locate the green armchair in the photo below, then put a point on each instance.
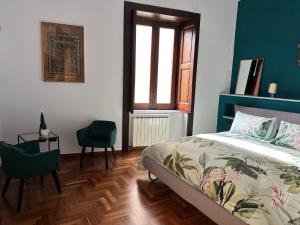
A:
(25, 160)
(100, 134)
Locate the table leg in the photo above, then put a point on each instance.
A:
(57, 142)
(49, 145)
(18, 139)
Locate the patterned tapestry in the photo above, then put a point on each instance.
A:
(63, 52)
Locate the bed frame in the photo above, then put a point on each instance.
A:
(284, 109)
(202, 202)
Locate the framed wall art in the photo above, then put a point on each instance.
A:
(63, 52)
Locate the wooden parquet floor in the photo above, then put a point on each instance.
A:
(121, 196)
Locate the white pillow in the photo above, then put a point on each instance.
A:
(288, 136)
(254, 126)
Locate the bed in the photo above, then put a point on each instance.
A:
(233, 179)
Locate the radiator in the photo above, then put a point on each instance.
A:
(149, 129)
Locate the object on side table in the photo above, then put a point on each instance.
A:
(272, 89)
(100, 134)
(43, 131)
(25, 160)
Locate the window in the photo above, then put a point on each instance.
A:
(154, 80)
(163, 65)
(186, 26)
(143, 64)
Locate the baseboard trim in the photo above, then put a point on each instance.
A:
(139, 148)
(118, 152)
(77, 155)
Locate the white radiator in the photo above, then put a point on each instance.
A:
(149, 129)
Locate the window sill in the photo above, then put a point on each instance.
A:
(155, 111)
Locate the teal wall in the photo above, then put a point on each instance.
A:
(270, 29)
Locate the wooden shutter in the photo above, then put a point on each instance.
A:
(186, 64)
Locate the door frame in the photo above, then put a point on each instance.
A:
(128, 41)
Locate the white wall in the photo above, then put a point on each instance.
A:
(217, 32)
(70, 106)
(1, 133)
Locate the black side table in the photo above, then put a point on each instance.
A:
(35, 136)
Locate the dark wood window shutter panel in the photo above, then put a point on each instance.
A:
(185, 68)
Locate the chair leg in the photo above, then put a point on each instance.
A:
(55, 177)
(20, 197)
(42, 179)
(113, 151)
(7, 181)
(106, 160)
(82, 155)
(92, 152)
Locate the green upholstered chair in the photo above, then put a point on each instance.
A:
(100, 134)
(25, 160)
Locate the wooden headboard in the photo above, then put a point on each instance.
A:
(284, 109)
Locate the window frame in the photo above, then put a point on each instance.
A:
(130, 13)
(156, 25)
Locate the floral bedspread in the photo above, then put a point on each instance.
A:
(254, 180)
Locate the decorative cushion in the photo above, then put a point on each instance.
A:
(254, 126)
(288, 136)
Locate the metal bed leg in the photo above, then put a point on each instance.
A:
(150, 178)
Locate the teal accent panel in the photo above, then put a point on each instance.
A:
(228, 102)
(270, 29)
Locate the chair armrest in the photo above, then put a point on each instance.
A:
(22, 165)
(82, 135)
(111, 138)
(42, 163)
(29, 147)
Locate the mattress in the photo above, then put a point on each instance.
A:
(243, 180)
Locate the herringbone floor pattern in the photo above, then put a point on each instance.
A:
(121, 196)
